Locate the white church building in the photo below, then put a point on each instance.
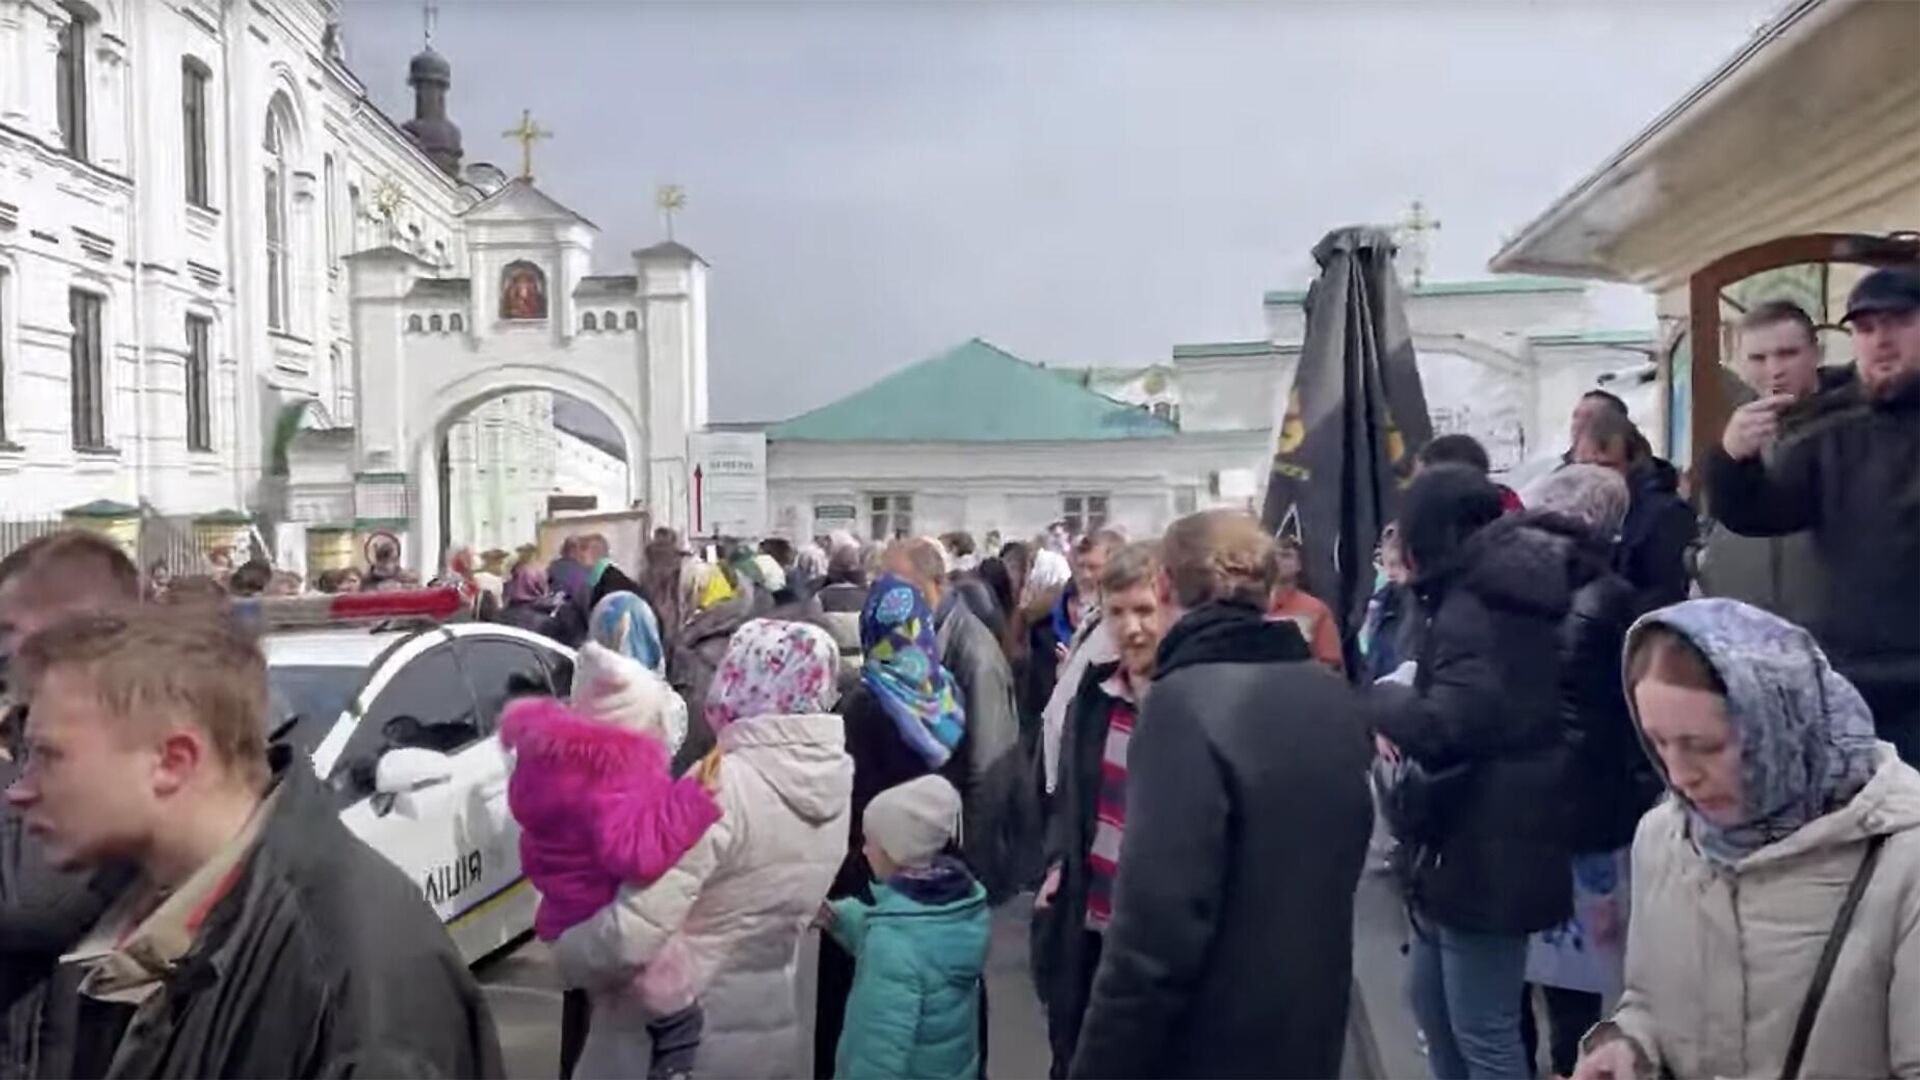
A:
(229, 282)
(978, 439)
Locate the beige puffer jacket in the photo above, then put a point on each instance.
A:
(740, 900)
(1718, 963)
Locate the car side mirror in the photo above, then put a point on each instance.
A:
(407, 769)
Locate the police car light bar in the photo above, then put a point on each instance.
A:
(321, 609)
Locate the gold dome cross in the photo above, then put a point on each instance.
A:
(525, 133)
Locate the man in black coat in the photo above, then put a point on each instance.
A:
(1660, 526)
(258, 937)
(1850, 477)
(1247, 817)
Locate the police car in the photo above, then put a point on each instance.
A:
(400, 713)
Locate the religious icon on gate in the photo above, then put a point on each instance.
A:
(523, 292)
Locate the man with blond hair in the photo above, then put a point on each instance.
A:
(258, 937)
(1229, 949)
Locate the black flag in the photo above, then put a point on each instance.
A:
(1351, 423)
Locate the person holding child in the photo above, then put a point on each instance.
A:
(740, 899)
(598, 808)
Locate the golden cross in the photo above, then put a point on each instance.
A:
(670, 199)
(1415, 227)
(526, 132)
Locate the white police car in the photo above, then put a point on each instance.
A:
(402, 725)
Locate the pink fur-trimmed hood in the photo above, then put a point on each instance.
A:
(597, 806)
(549, 735)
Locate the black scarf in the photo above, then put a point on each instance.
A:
(1228, 632)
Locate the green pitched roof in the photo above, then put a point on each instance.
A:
(1512, 283)
(973, 393)
(1596, 337)
(1225, 348)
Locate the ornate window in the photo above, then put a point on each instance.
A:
(415, 325)
(279, 262)
(436, 324)
(609, 320)
(199, 380)
(631, 321)
(70, 74)
(4, 282)
(456, 323)
(588, 324)
(194, 78)
(87, 371)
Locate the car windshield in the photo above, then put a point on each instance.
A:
(312, 697)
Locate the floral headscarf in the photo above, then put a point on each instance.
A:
(902, 669)
(1806, 736)
(625, 623)
(774, 668)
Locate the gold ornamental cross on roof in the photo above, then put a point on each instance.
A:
(525, 133)
(1415, 228)
(671, 199)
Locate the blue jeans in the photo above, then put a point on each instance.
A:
(1465, 990)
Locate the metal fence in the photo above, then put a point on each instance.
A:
(163, 539)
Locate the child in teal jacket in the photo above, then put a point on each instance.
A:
(918, 948)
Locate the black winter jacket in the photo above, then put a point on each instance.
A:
(1654, 539)
(1058, 947)
(1610, 782)
(322, 960)
(1486, 699)
(1231, 948)
(1852, 477)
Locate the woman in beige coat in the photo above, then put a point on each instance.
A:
(1777, 788)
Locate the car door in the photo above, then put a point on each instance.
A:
(433, 833)
(500, 668)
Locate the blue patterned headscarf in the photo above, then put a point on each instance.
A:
(1806, 736)
(625, 623)
(902, 669)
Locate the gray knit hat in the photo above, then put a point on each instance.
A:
(911, 822)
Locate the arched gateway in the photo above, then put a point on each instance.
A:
(429, 346)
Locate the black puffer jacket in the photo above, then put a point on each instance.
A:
(1486, 699)
(1610, 782)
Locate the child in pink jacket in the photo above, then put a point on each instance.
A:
(598, 807)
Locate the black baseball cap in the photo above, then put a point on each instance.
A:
(1890, 288)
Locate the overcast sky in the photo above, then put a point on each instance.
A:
(1080, 183)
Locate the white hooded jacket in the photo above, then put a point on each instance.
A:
(742, 898)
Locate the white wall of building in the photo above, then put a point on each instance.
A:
(117, 221)
(1017, 489)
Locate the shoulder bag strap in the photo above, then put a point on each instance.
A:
(1810, 1008)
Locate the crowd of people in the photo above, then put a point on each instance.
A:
(1650, 811)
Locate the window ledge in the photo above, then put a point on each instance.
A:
(289, 337)
(207, 214)
(97, 453)
(11, 449)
